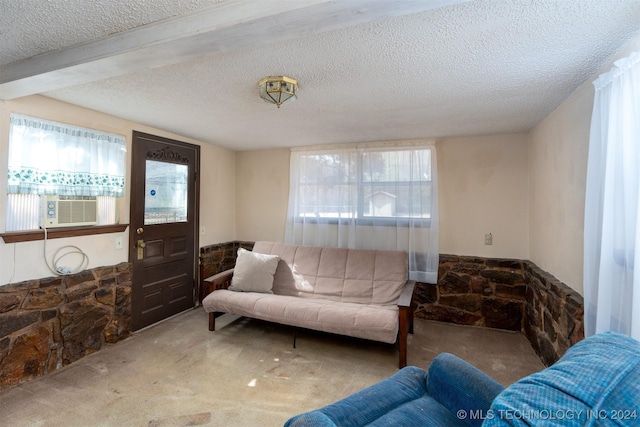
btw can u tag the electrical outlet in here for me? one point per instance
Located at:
(119, 243)
(488, 239)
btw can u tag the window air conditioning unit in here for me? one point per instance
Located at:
(69, 211)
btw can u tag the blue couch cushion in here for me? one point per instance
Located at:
(412, 397)
(423, 412)
(462, 388)
(596, 382)
(400, 400)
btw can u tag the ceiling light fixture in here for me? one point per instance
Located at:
(278, 89)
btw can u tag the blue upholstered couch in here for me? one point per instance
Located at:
(597, 382)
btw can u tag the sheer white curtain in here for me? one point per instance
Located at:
(52, 158)
(368, 197)
(612, 210)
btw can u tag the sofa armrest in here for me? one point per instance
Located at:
(221, 280)
(460, 386)
(209, 285)
(406, 294)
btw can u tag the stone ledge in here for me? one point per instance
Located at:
(48, 323)
(505, 294)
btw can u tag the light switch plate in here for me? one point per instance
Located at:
(488, 239)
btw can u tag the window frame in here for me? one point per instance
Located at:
(360, 184)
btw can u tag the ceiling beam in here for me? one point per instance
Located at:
(226, 26)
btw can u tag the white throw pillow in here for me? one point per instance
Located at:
(254, 272)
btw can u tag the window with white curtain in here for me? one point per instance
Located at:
(52, 158)
(612, 204)
(370, 197)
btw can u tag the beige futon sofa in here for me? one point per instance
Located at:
(355, 292)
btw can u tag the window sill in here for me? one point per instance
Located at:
(58, 233)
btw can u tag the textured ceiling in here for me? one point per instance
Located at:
(31, 27)
(476, 68)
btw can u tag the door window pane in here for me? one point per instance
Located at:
(165, 199)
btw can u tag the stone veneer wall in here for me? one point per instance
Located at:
(220, 257)
(48, 323)
(508, 294)
(554, 314)
(474, 291)
(505, 294)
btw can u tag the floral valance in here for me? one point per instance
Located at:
(47, 157)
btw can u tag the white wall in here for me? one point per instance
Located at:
(262, 178)
(217, 194)
(483, 188)
(558, 151)
(24, 261)
(482, 185)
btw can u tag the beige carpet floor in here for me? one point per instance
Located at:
(247, 373)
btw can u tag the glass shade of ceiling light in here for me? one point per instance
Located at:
(278, 89)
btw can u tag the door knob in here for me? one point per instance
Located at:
(141, 245)
(140, 230)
